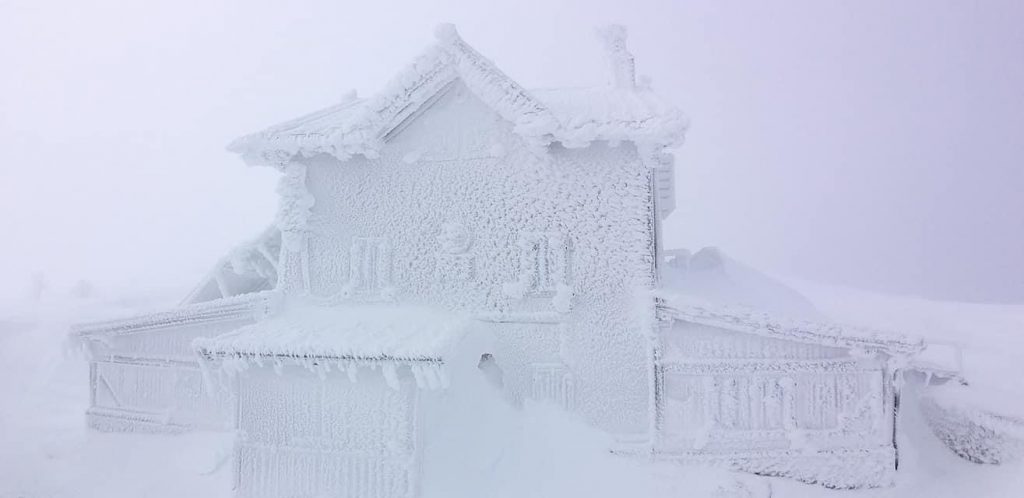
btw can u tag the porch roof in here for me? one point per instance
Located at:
(369, 332)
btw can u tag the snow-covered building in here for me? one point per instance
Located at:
(144, 373)
(813, 401)
(456, 205)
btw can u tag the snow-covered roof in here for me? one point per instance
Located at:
(370, 332)
(758, 322)
(231, 308)
(612, 113)
(571, 116)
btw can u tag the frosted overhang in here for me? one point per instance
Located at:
(750, 321)
(362, 332)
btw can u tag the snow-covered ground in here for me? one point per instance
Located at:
(46, 450)
(990, 336)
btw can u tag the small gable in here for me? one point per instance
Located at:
(454, 125)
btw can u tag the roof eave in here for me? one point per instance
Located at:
(235, 307)
(222, 354)
(893, 345)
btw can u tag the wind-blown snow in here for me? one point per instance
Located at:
(991, 337)
(713, 277)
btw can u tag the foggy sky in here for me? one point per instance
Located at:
(874, 144)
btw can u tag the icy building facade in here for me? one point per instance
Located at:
(456, 205)
(812, 401)
(144, 373)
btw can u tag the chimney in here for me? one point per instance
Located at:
(619, 57)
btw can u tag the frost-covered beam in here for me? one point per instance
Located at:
(272, 259)
(224, 309)
(222, 284)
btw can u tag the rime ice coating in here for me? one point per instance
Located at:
(574, 117)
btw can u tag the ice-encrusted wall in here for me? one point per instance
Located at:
(776, 406)
(150, 379)
(548, 247)
(133, 396)
(305, 436)
(144, 374)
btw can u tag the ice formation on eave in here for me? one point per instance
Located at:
(230, 308)
(250, 267)
(370, 332)
(758, 322)
(574, 117)
(613, 114)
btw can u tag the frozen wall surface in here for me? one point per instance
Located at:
(144, 375)
(547, 247)
(301, 435)
(817, 402)
(776, 406)
(338, 409)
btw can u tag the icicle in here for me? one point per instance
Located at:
(353, 372)
(390, 375)
(442, 375)
(278, 366)
(417, 373)
(431, 377)
(204, 371)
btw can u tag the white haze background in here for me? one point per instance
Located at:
(873, 144)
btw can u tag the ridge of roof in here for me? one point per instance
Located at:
(361, 126)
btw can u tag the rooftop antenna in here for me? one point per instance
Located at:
(621, 60)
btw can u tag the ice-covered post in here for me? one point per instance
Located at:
(621, 60)
(292, 215)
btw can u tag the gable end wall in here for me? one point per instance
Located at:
(549, 246)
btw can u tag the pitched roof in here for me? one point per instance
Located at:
(571, 116)
(232, 308)
(758, 322)
(611, 113)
